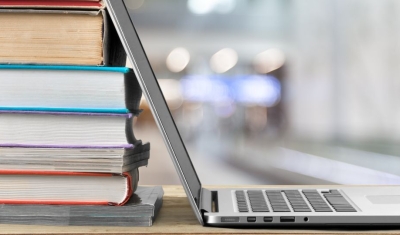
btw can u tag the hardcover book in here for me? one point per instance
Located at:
(74, 88)
(66, 188)
(35, 35)
(90, 159)
(20, 128)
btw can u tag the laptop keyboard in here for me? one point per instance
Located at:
(306, 200)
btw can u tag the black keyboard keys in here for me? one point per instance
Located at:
(316, 200)
(338, 202)
(241, 201)
(297, 201)
(277, 201)
(257, 201)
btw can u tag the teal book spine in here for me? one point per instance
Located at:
(66, 110)
(65, 67)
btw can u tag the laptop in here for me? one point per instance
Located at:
(336, 205)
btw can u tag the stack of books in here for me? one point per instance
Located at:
(67, 108)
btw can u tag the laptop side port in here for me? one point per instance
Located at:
(251, 219)
(286, 219)
(268, 219)
(230, 219)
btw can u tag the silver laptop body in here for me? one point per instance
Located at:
(312, 206)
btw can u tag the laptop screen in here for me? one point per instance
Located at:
(154, 97)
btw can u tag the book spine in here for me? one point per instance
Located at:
(130, 137)
(133, 93)
(113, 50)
(132, 178)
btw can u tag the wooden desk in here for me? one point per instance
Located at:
(176, 217)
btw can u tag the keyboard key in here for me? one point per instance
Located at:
(317, 202)
(337, 201)
(302, 210)
(260, 210)
(300, 206)
(346, 210)
(282, 210)
(334, 191)
(321, 207)
(273, 191)
(323, 210)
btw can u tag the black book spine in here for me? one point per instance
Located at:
(133, 93)
(115, 54)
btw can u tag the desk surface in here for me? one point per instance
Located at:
(175, 217)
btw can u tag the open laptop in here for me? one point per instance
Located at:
(351, 205)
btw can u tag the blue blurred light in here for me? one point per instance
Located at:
(262, 90)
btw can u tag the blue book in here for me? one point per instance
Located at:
(94, 89)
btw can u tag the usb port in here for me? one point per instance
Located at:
(251, 219)
(268, 219)
(287, 218)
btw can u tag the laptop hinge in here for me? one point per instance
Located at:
(205, 200)
(209, 201)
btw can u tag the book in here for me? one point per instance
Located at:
(98, 160)
(141, 210)
(58, 37)
(20, 128)
(63, 88)
(66, 188)
(65, 4)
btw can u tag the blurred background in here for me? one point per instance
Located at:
(275, 91)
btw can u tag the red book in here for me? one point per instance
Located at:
(71, 4)
(66, 188)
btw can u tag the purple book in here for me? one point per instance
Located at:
(116, 159)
